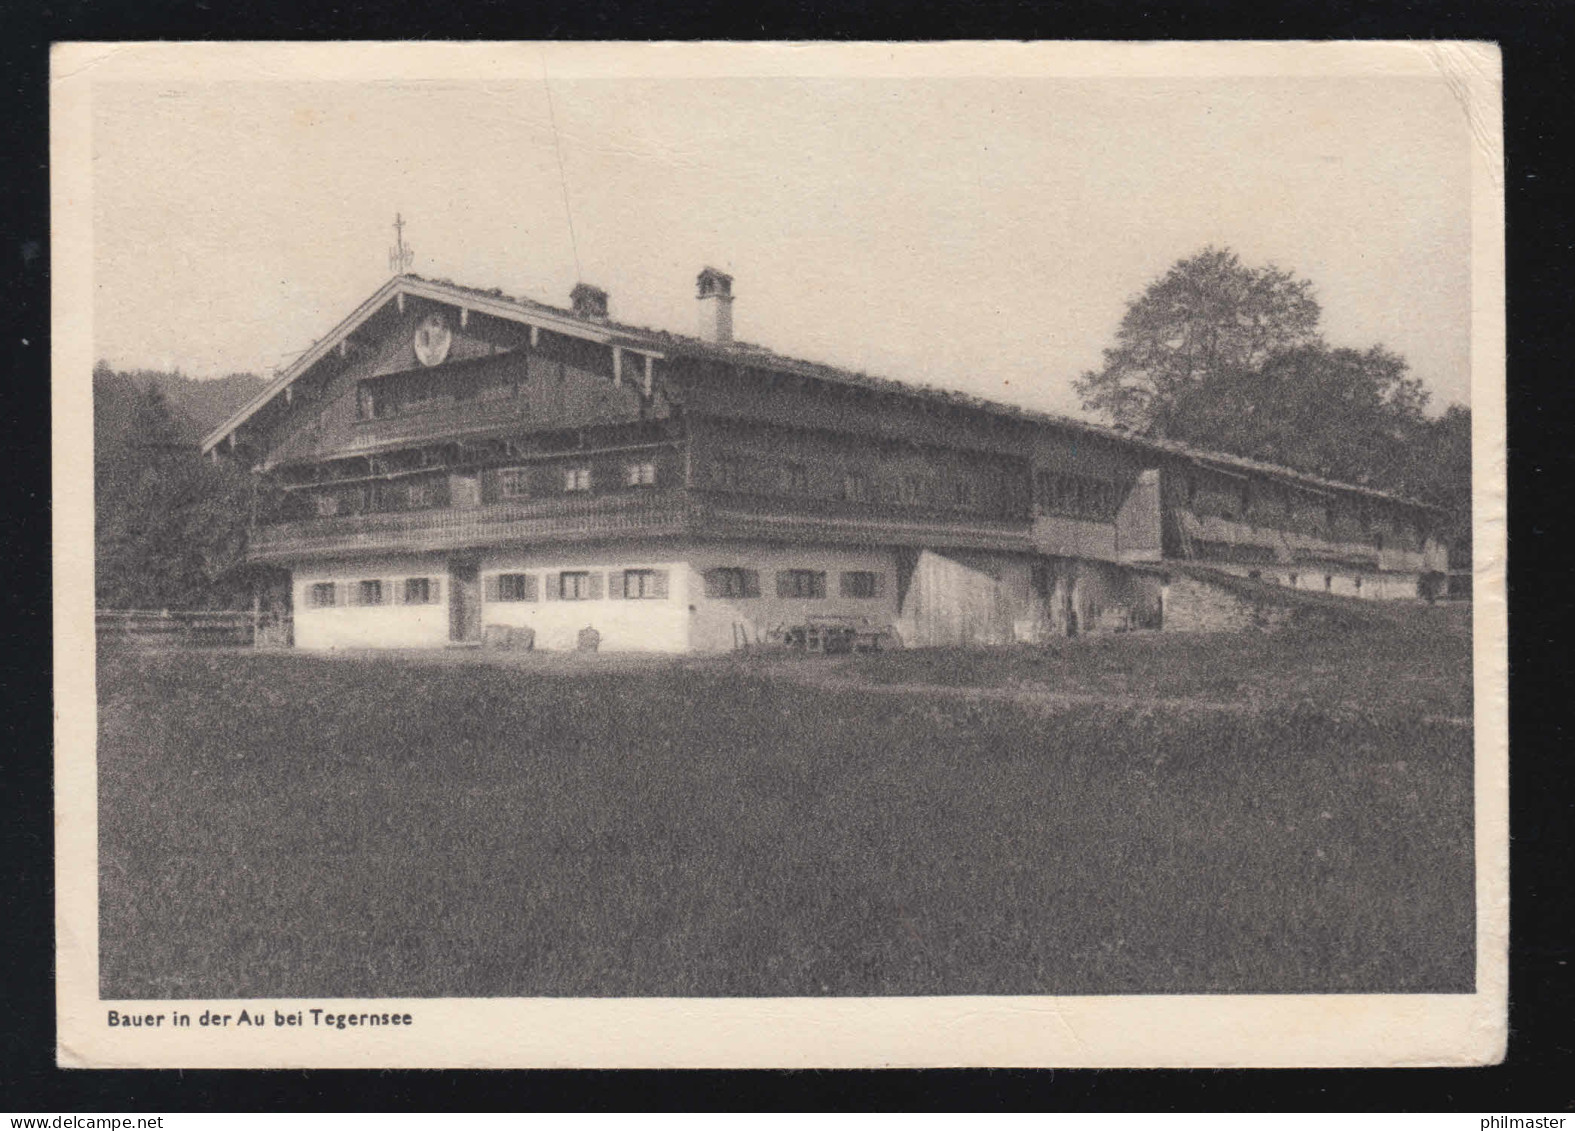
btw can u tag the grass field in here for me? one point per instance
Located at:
(1286, 812)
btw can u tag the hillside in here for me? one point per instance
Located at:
(198, 405)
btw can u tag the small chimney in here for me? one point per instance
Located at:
(588, 302)
(716, 306)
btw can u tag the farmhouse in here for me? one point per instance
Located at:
(449, 461)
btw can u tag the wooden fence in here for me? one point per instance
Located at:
(168, 628)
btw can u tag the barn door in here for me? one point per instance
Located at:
(464, 600)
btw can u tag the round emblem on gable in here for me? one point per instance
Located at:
(433, 337)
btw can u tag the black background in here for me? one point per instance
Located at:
(1539, 1074)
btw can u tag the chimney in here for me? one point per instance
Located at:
(716, 306)
(588, 302)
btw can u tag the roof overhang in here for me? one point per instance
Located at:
(396, 290)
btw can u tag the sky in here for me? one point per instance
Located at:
(976, 233)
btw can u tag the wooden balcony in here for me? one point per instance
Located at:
(635, 513)
(1214, 536)
(559, 519)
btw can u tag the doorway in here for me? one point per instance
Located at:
(464, 601)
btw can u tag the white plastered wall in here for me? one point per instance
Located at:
(642, 625)
(719, 624)
(389, 625)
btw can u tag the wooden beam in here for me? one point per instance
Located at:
(400, 299)
(617, 365)
(535, 335)
(649, 385)
(464, 317)
(289, 394)
(344, 346)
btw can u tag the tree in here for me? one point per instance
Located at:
(169, 526)
(1209, 320)
(1229, 357)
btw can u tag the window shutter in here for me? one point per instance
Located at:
(553, 586)
(342, 593)
(659, 584)
(616, 583)
(713, 583)
(396, 591)
(434, 590)
(751, 583)
(784, 583)
(530, 587)
(879, 588)
(491, 586)
(596, 586)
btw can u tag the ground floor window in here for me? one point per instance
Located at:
(643, 584)
(369, 593)
(321, 595)
(577, 585)
(418, 591)
(861, 583)
(730, 583)
(512, 587)
(800, 583)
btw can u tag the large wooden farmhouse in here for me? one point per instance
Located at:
(449, 459)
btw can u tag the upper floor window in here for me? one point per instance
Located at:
(422, 493)
(909, 490)
(640, 474)
(800, 583)
(424, 396)
(729, 472)
(371, 401)
(369, 593)
(855, 487)
(576, 479)
(321, 595)
(514, 482)
(327, 505)
(795, 478)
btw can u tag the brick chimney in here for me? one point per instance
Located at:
(588, 302)
(716, 306)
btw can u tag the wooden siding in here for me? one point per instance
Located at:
(562, 383)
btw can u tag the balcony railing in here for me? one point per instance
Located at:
(1208, 534)
(449, 528)
(636, 512)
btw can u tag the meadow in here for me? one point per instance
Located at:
(1258, 812)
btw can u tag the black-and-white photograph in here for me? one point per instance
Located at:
(582, 525)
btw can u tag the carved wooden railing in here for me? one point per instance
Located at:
(460, 527)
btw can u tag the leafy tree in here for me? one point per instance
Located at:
(1209, 320)
(1229, 357)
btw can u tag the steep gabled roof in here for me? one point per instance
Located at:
(663, 343)
(486, 302)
